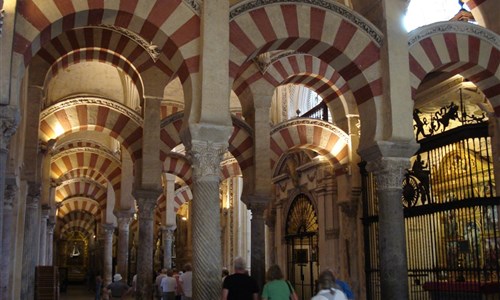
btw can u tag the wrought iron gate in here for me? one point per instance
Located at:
(302, 246)
(451, 214)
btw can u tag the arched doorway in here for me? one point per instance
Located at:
(302, 246)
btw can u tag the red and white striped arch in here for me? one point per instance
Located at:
(485, 12)
(95, 44)
(459, 48)
(178, 165)
(79, 143)
(80, 203)
(85, 174)
(230, 168)
(182, 195)
(168, 109)
(76, 220)
(318, 136)
(298, 69)
(86, 229)
(94, 114)
(240, 142)
(172, 26)
(170, 136)
(94, 55)
(308, 28)
(82, 188)
(77, 158)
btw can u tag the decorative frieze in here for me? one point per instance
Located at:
(87, 100)
(331, 6)
(453, 27)
(314, 122)
(152, 49)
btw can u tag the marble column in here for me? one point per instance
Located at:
(388, 162)
(43, 236)
(167, 234)
(8, 238)
(107, 231)
(124, 218)
(207, 261)
(31, 239)
(51, 224)
(257, 240)
(146, 201)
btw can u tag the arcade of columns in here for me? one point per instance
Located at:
(26, 188)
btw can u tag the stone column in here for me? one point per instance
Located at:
(43, 236)
(257, 240)
(207, 262)
(8, 238)
(107, 232)
(146, 201)
(51, 224)
(271, 248)
(167, 234)
(31, 239)
(124, 218)
(388, 162)
(9, 119)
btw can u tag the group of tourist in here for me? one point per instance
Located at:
(173, 285)
(168, 285)
(240, 286)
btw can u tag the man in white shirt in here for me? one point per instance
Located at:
(186, 281)
(168, 286)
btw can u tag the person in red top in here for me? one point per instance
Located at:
(240, 286)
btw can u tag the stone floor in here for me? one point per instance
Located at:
(80, 292)
(77, 292)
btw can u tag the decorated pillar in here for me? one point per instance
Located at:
(167, 234)
(146, 201)
(107, 232)
(7, 236)
(124, 218)
(207, 260)
(31, 239)
(258, 242)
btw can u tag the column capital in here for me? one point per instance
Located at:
(10, 193)
(146, 201)
(50, 227)
(389, 161)
(45, 212)
(108, 229)
(33, 197)
(9, 120)
(206, 157)
(168, 232)
(124, 218)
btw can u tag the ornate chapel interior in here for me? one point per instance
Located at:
(141, 135)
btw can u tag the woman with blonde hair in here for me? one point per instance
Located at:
(328, 289)
(276, 287)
